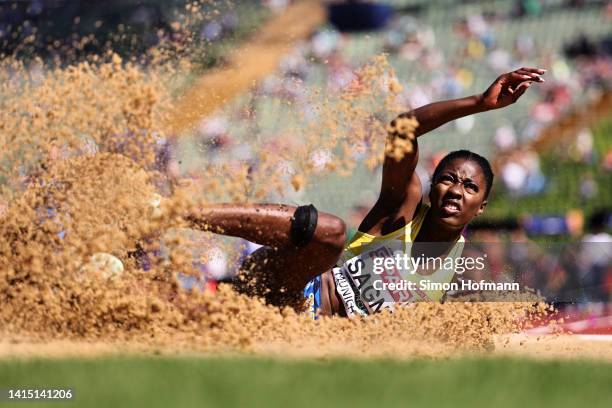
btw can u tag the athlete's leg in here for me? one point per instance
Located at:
(299, 244)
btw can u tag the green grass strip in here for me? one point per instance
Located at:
(246, 382)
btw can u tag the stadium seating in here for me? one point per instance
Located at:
(554, 26)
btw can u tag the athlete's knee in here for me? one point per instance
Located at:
(308, 225)
(331, 232)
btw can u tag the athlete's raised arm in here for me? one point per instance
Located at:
(400, 192)
(505, 90)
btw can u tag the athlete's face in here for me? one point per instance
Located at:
(458, 193)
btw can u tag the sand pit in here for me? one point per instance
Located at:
(548, 347)
(78, 179)
(555, 347)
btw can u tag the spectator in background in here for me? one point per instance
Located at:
(276, 6)
(596, 256)
(500, 60)
(325, 43)
(524, 47)
(521, 174)
(583, 147)
(588, 187)
(214, 137)
(505, 137)
(606, 163)
(340, 74)
(528, 8)
(514, 175)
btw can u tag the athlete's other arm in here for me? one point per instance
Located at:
(401, 188)
(504, 91)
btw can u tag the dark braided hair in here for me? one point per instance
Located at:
(471, 156)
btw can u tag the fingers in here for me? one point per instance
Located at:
(533, 73)
(538, 71)
(515, 78)
(520, 90)
(530, 74)
(511, 86)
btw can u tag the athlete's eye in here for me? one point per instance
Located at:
(446, 178)
(472, 187)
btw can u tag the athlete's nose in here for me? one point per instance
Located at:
(456, 190)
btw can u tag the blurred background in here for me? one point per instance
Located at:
(552, 152)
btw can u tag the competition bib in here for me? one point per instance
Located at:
(366, 285)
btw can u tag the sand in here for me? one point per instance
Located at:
(547, 347)
(80, 177)
(555, 347)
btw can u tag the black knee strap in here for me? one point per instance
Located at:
(303, 225)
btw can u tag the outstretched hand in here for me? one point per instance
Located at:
(508, 88)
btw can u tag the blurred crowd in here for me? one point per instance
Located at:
(579, 72)
(562, 272)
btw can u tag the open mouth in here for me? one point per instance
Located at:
(451, 207)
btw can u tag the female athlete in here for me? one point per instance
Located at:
(301, 247)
